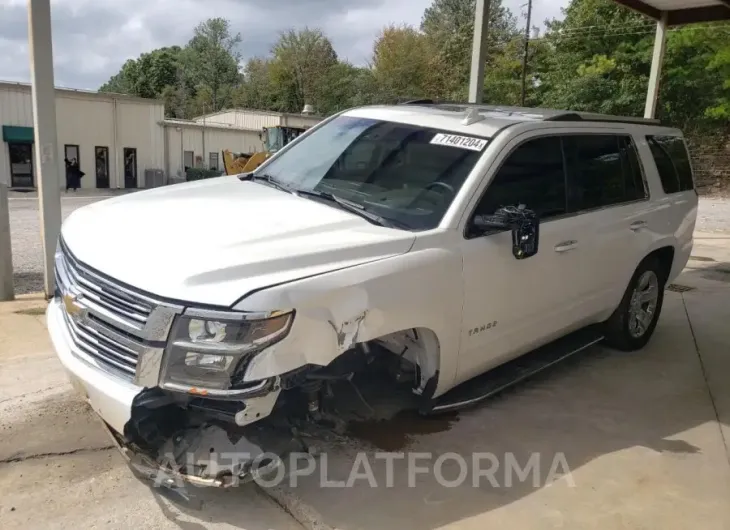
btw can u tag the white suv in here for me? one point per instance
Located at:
(398, 250)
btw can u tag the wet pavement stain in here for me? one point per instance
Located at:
(398, 432)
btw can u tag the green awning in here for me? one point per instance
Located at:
(17, 135)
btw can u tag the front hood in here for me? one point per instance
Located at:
(216, 240)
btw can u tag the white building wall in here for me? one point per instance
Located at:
(86, 123)
(139, 128)
(88, 120)
(182, 138)
(243, 119)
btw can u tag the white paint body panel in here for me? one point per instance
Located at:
(244, 245)
(110, 397)
(211, 242)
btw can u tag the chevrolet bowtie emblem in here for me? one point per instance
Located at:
(73, 308)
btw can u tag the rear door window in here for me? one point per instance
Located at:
(672, 161)
(603, 170)
(633, 171)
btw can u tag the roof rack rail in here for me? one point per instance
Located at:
(587, 116)
(419, 102)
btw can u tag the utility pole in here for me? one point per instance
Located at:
(6, 255)
(527, 51)
(479, 51)
(205, 109)
(44, 128)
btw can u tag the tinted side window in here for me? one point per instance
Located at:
(672, 162)
(533, 175)
(599, 171)
(633, 173)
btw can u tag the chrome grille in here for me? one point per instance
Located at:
(114, 304)
(112, 326)
(101, 348)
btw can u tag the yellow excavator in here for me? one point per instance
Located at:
(274, 138)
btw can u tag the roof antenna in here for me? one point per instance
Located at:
(472, 116)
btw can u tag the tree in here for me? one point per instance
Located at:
(257, 90)
(449, 28)
(600, 56)
(299, 68)
(210, 61)
(402, 64)
(148, 75)
(595, 59)
(346, 86)
(198, 78)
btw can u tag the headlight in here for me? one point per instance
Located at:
(210, 350)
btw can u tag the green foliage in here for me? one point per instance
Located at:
(600, 56)
(147, 76)
(448, 26)
(597, 58)
(402, 64)
(199, 173)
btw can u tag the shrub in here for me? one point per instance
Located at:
(198, 173)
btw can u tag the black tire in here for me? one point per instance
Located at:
(617, 329)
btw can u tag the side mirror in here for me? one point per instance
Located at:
(523, 223)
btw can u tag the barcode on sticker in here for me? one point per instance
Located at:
(462, 142)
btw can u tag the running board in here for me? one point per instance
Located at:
(502, 377)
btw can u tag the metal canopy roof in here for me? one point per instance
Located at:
(681, 11)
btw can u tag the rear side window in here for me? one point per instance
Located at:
(633, 172)
(603, 170)
(533, 175)
(672, 161)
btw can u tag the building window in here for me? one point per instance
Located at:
(21, 165)
(130, 167)
(213, 163)
(101, 154)
(188, 157)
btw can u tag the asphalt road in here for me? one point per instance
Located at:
(714, 216)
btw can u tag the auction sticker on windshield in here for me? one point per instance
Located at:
(462, 142)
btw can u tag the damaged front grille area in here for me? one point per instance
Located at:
(111, 326)
(128, 310)
(102, 348)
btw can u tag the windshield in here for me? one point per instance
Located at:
(405, 174)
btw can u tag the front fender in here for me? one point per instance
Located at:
(335, 311)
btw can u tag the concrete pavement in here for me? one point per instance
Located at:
(58, 468)
(644, 437)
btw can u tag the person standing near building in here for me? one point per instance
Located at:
(73, 174)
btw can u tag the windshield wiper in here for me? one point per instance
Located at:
(349, 206)
(268, 179)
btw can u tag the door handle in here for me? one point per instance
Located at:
(637, 225)
(566, 246)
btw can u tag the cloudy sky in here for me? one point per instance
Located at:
(93, 38)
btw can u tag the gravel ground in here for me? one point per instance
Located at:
(714, 216)
(26, 239)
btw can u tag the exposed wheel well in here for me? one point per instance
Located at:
(419, 346)
(665, 258)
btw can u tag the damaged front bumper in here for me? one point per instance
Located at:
(172, 474)
(204, 454)
(110, 397)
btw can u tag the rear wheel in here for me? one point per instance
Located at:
(632, 324)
